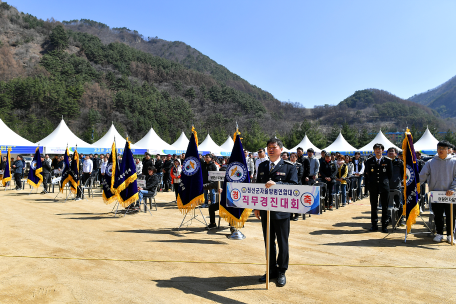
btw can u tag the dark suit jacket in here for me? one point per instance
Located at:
(290, 178)
(379, 175)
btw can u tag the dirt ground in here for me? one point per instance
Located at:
(78, 252)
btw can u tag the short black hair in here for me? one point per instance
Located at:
(260, 150)
(299, 148)
(379, 146)
(152, 168)
(444, 144)
(393, 149)
(274, 140)
(357, 153)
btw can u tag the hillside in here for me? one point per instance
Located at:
(93, 75)
(442, 98)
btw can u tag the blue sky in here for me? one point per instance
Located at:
(311, 52)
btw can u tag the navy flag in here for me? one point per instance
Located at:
(236, 172)
(411, 182)
(191, 187)
(74, 172)
(66, 171)
(109, 195)
(35, 177)
(128, 190)
(7, 171)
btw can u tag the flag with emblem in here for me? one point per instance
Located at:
(73, 173)
(128, 190)
(236, 172)
(109, 195)
(7, 171)
(191, 187)
(35, 177)
(411, 182)
(66, 178)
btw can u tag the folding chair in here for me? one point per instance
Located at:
(393, 211)
(88, 186)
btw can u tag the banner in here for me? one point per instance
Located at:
(35, 178)
(109, 195)
(236, 172)
(440, 197)
(7, 171)
(66, 178)
(280, 198)
(411, 182)
(128, 190)
(191, 187)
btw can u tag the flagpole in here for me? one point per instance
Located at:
(452, 225)
(267, 248)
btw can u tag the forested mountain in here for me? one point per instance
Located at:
(442, 98)
(93, 75)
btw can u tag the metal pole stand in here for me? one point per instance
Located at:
(237, 235)
(194, 216)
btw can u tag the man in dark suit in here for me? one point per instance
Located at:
(18, 167)
(378, 172)
(276, 171)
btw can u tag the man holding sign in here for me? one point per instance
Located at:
(272, 172)
(440, 173)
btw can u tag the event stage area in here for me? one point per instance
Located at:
(77, 252)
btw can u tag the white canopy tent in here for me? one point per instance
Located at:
(341, 145)
(379, 139)
(106, 142)
(18, 144)
(306, 144)
(208, 145)
(427, 143)
(153, 143)
(181, 144)
(228, 144)
(60, 138)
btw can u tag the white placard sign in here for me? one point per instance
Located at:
(280, 198)
(217, 176)
(141, 183)
(442, 198)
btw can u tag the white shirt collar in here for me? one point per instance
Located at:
(276, 162)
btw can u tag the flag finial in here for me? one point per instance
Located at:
(196, 135)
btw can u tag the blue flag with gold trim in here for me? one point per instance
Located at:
(128, 190)
(7, 171)
(236, 172)
(191, 187)
(66, 171)
(411, 181)
(109, 194)
(74, 172)
(35, 177)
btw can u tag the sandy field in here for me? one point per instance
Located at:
(78, 252)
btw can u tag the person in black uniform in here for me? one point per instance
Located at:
(46, 173)
(396, 180)
(167, 166)
(327, 174)
(300, 169)
(305, 162)
(378, 172)
(276, 171)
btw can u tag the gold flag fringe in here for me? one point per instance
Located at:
(110, 200)
(40, 177)
(234, 221)
(129, 201)
(6, 180)
(70, 180)
(126, 183)
(412, 217)
(199, 200)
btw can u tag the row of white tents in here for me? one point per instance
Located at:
(62, 137)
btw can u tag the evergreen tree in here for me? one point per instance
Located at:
(59, 38)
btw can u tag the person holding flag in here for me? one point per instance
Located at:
(109, 193)
(440, 173)
(7, 171)
(276, 171)
(35, 177)
(191, 187)
(67, 175)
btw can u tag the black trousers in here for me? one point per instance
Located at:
(329, 191)
(46, 179)
(166, 181)
(176, 189)
(85, 177)
(280, 230)
(438, 210)
(373, 196)
(17, 179)
(212, 209)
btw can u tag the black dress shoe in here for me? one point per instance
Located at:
(384, 230)
(281, 280)
(295, 218)
(373, 229)
(262, 279)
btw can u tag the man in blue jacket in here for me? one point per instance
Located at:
(18, 170)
